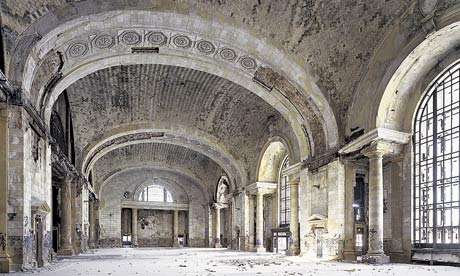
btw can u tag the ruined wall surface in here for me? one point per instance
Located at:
(326, 212)
(155, 228)
(112, 196)
(29, 185)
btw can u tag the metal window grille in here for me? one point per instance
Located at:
(436, 215)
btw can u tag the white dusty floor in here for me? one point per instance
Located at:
(155, 261)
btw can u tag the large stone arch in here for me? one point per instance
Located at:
(141, 133)
(405, 64)
(163, 172)
(296, 95)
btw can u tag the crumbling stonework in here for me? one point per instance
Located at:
(254, 117)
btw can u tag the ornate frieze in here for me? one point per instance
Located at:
(122, 40)
(77, 49)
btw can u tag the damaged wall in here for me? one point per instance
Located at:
(29, 185)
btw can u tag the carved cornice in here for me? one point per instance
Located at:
(316, 162)
(154, 205)
(261, 188)
(377, 134)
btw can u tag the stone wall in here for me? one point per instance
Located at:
(322, 202)
(29, 185)
(112, 196)
(155, 228)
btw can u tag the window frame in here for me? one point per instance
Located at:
(145, 194)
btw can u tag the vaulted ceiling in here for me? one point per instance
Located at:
(159, 156)
(169, 98)
(298, 63)
(333, 39)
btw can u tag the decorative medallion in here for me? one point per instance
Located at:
(77, 49)
(248, 63)
(130, 38)
(228, 54)
(205, 47)
(182, 41)
(103, 41)
(157, 38)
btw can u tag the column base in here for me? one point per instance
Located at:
(65, 252)
(349, 255)
(92, 245)
(217, 245)
(5, 264)
(261, 249)
(376, 258)
(293, 251)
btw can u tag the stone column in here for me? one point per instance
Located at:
(250, 246)
(5, 261)
(349, 251)
(176, 228)
(66, 248)
(260, 223)
(375, 153)
(73, 205)
(92, 224)
(134, 227)
(217, 227)
(294, 247)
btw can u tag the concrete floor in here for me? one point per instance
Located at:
(156, 261)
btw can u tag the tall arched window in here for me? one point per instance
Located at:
(155, 193)
(284, 195)
(437, 165)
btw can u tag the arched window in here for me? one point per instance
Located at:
(437, 165)
(155, 193)
(284, 195)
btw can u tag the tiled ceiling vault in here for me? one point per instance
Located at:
(158, 155)
(335, 39)
(169, 97)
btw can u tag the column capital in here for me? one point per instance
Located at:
(295, 181)
(262, 188)
(219, 206)
(378, 149)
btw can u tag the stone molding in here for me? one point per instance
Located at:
(154, 205)
(122, 40)
(293, 171)
(261, 188)
(377, 134)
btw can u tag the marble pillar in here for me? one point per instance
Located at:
(5, 260)
(176, 228)
(349, 251)
(375, 153)
(260, 223)
(294, 246)
(92, 224)
(217, 227)
(134, 227)
(66, 247)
